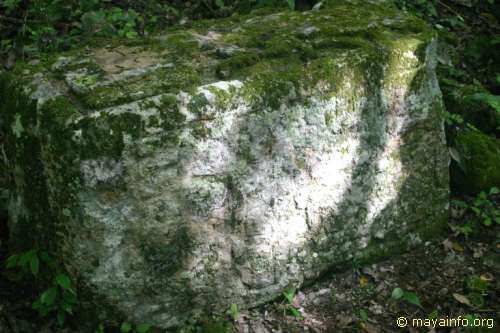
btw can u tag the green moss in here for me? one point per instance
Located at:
(480, 155)
(170, 115)
(462, 100)
(197, 104)
(31, 209)
(87, 80)
(237, 63)
(272, 81)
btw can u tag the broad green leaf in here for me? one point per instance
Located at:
(433, 315)
(45, 257)
(289, 294)
(49, 296)
(131, 34)
(126, 327)
(397, 293)
(37, 304)
(64, 281)
(26, 258)
(494, 190)
(70, 297)
(12, 261)
(295, 312)
(67, 307)
(492, 100)
(219, 3)
(100, 329)
(61, 317)
(142, 328)
(291, 4)
(476, 299)
(17, 126)
(234, 311)
(34, 265)
(412, 298)
(10, 5)
(459, 203)
(363, 315)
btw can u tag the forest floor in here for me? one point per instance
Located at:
(448, 278)
(452, 277)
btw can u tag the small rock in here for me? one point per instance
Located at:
(317, 6)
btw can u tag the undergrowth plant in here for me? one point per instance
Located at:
(58, 295)
(483, 210)
(289, 295)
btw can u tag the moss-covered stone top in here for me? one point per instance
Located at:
(262, 47)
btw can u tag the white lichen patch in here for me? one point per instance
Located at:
(105, 171)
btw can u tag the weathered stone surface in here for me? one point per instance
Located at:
(221, 162)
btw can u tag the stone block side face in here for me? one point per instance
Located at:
(175, 203)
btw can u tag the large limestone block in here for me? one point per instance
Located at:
(220, 162)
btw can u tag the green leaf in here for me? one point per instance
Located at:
(100, 329)
(459, 203)
(131, 34)
(412, 298)
(67, 307)
(476, 299)
(142, 328)
(433, 315)
(494, 190)
(363, 315)
(12, 261)
(37, 304)
(49, 296)
(234, 312)
(295, 313)
(492, 100)
(70, 297)
(45, 257)
(289, 294)
(34, 265)
(10, 5)
(26, 258)
(61, 317)
(291, 4)
(64, 281)
(126, 327)
(487, 221)
(397, 293)
(219, 3)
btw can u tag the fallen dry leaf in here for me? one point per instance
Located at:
(457, 247)
(363, 281)
(487, 277)
(369, 328)
(461, 298)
